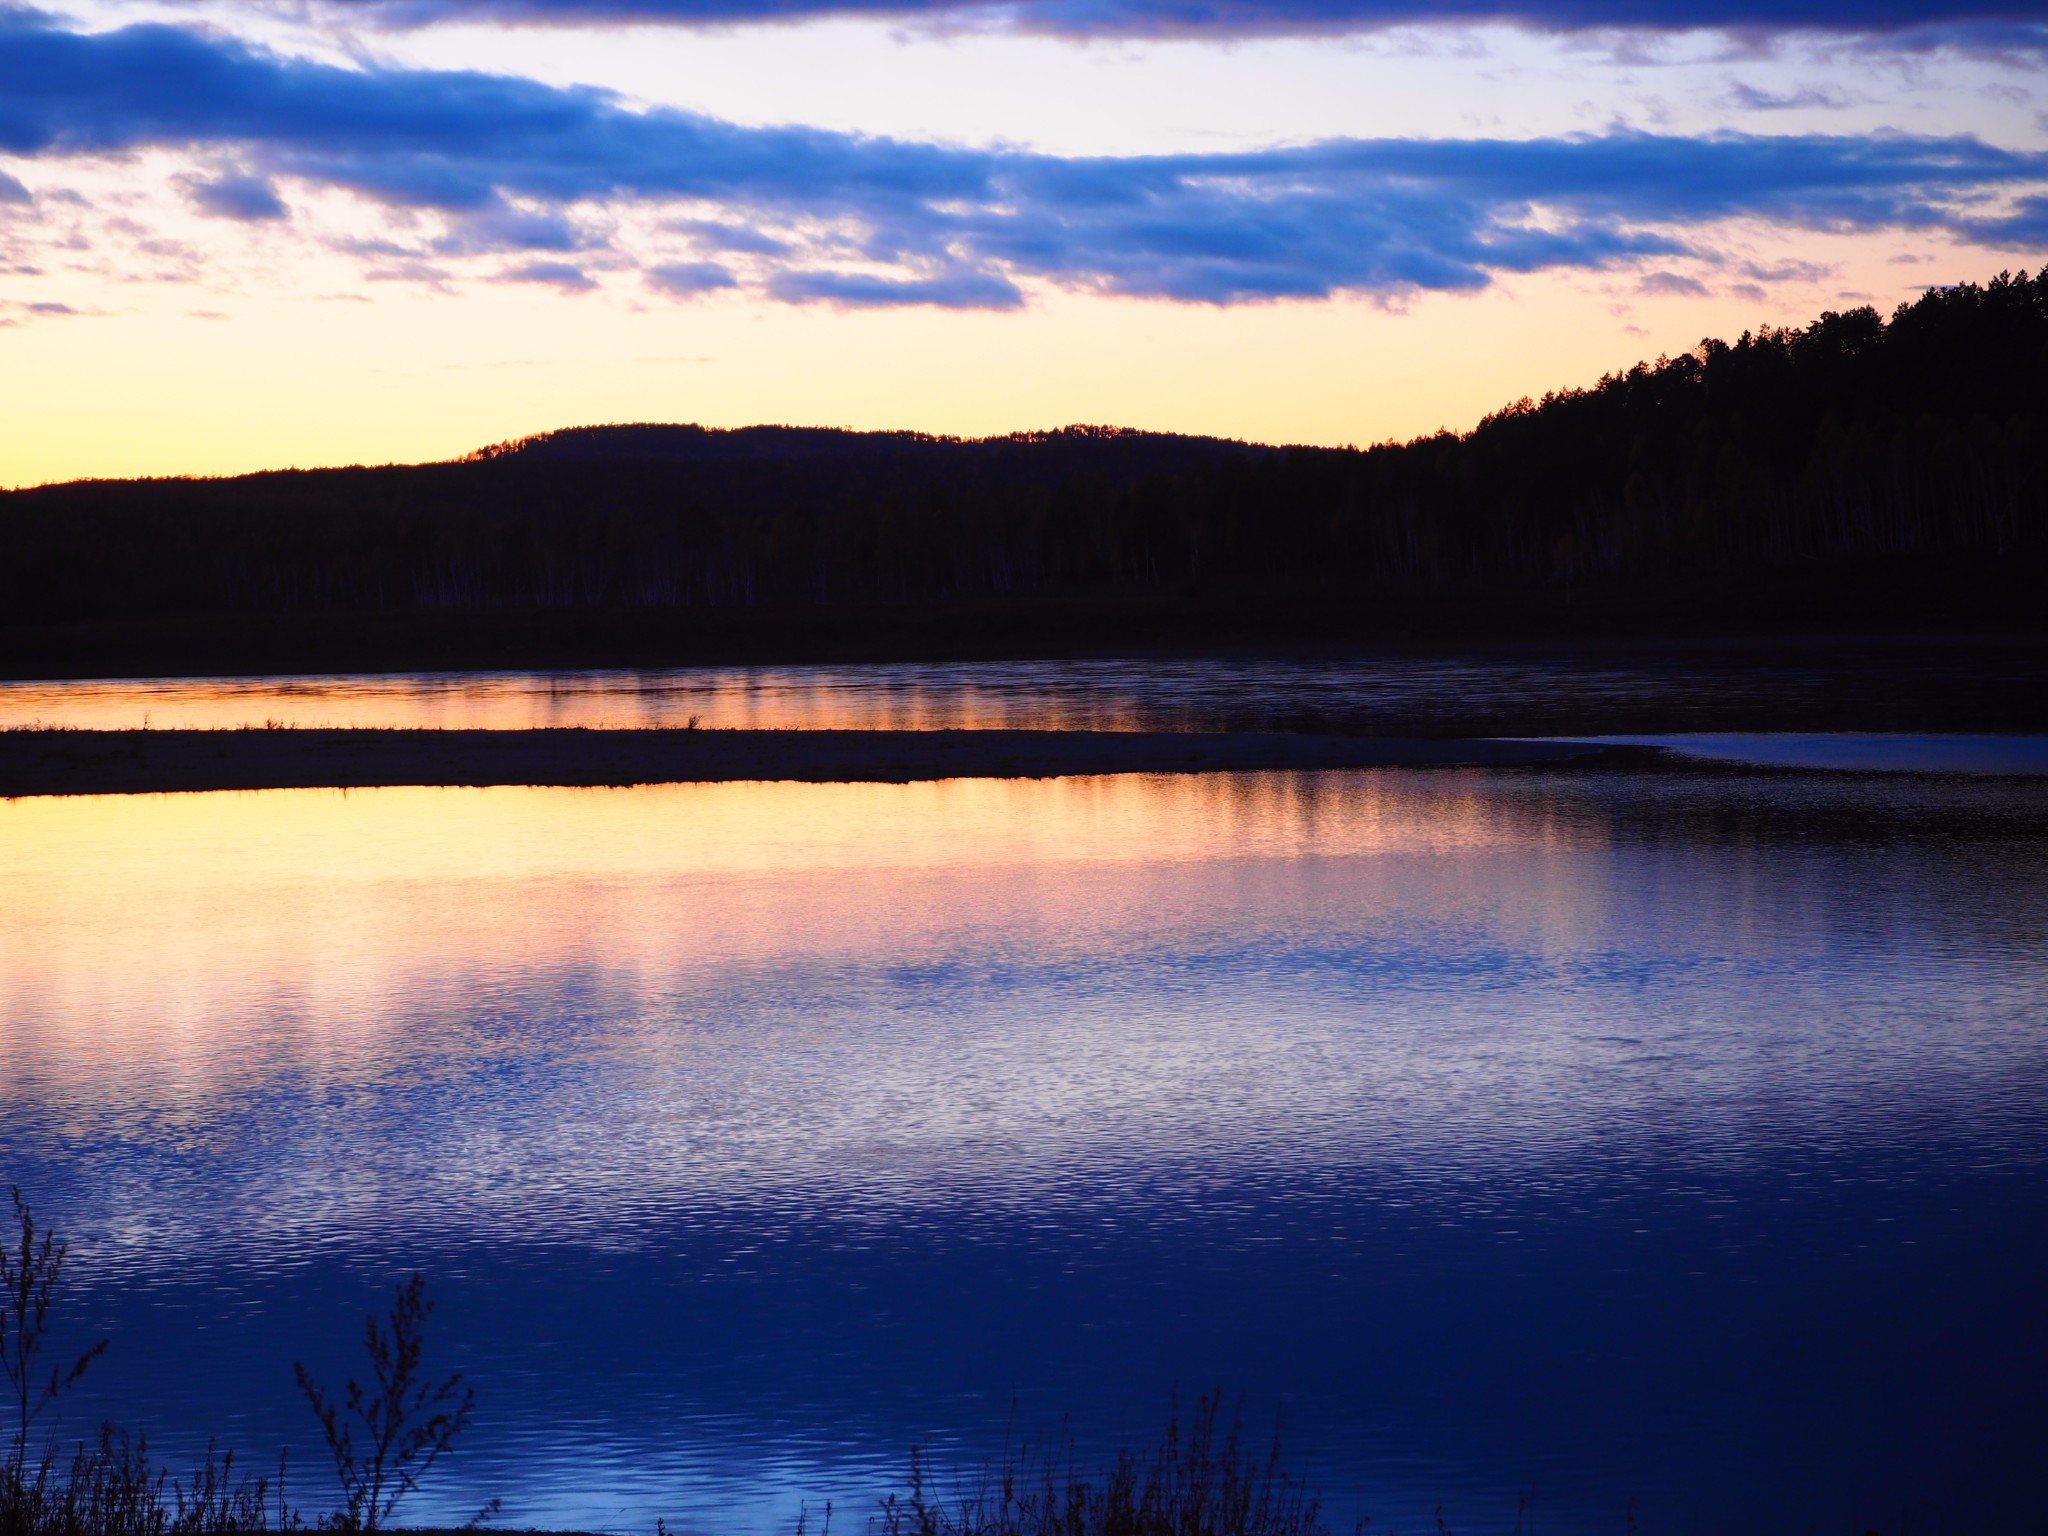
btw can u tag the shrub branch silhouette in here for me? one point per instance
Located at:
(28, 1277)
(406, 1422)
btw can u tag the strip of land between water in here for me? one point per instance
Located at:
(69, 762)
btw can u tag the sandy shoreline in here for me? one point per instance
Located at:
(141, 762)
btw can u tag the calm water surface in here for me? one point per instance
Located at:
(1057, 695)
(1526, 692)
(1672, 1141)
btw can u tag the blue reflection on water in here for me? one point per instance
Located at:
(1859, 751)
(1659, 1141)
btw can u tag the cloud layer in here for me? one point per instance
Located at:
(809, 216)
(1143, 18)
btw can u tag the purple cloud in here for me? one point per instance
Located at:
(246, 199)
(1756, 99)
(737, 238)
(559, 275)
(860, 290)
(682, 280)
(1672, 285)
(499, 228)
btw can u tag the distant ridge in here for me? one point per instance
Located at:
(1859, 473)
(688, 443)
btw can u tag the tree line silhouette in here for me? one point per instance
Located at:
(1857, 467)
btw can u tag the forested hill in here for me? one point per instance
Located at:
(1029, 455)
(1856, 470)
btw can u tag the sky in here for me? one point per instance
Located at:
(268, 233)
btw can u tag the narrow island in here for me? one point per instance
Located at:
(62, 762)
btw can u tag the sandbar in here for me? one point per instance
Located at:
(68, 762)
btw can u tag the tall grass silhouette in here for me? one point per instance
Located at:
(111, 1487)
(114, 1487)
(1200, 1481)
(383, 1437)
(29, 1273)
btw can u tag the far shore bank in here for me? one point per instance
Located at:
(66, 762)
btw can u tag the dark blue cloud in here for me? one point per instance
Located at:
(682, 280)
(1141, 18)
(710, 235)
(12, 191)
(247, 199)
(861, 290)
(498, 228)
(2023, 43)
(2024, 228)
(515, 165)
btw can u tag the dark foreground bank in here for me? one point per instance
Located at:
(133, 762)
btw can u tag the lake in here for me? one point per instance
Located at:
(1928, 685)
(1670, 1143)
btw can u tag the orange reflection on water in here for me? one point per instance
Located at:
(163, 929)
(189, 842)
(988, 696)
(738, 986)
